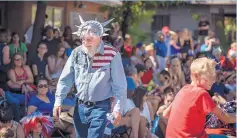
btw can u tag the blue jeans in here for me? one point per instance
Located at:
(90, 121)
(14, 98)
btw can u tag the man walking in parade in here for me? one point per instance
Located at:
(98, 74)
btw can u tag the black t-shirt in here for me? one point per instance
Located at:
(3, 81)
(41, 65)
(52, 46)
(203, 24)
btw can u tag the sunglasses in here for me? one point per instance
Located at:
(43, 86)
(17, 59)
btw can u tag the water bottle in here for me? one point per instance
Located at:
(109, 125)
(110, 117)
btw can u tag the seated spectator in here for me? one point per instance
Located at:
(43, 102)
(169, 95)
(57, 63)
(131, 114)
(217, 57)
(6, 121)
(37, 125)
(136, 57)
(229, 63)
(40, 63)
(56, 33)
(207, 46)
(67, 34)
(186, 68)
(16, 46)
(220, 88)
(13, 99)
(164, 81)
(148, 74)
(146, 112)
(140, 72)
(4, 56)
(177, 75)
(20, 75)
(151, 54)
(50, 41)
(211, 37)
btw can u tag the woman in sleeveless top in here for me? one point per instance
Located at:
(16, 46)
(20, 75)
(186, 43)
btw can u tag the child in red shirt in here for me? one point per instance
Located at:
(187, 114)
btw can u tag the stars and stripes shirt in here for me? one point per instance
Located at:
(96, 79)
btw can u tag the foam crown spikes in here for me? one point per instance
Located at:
(97, 27)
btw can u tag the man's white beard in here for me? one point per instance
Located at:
(90, 52)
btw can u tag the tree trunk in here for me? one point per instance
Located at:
(220, 29)
(126, 17)
(37, 29)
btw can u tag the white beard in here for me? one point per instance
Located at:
(90, 52)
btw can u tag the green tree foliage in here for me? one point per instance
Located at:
(132, 13)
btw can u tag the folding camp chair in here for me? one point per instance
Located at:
(120, 132)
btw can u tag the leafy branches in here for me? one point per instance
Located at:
(132, 13)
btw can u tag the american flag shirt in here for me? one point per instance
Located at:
(96, 79)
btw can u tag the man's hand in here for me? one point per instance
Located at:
(56, 112)
(117, 118)
(2, 93)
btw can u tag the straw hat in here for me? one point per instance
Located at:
(149, 47)
(67, 116)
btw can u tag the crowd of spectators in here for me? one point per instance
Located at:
(155, 73)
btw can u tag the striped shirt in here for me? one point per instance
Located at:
(96, 79)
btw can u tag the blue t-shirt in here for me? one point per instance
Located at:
(68, 52)
(161, 48)
(203, 48)
(220, 88)
(43, 107)
(174, 51)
